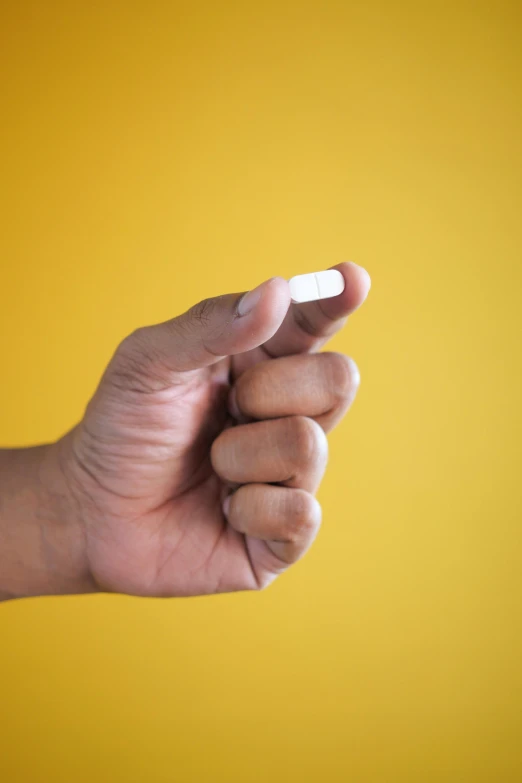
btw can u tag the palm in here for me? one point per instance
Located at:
(148, 458)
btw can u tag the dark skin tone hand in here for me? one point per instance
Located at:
(195, 466)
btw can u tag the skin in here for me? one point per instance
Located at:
(195, 466)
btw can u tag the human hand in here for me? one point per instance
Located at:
(194, 468)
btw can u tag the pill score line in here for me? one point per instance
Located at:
(316, 285)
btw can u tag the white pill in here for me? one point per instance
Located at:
(317, 285)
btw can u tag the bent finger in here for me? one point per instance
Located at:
(321, 386)
(286, 519)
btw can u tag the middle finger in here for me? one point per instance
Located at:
(319, 385)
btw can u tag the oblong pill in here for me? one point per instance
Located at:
(316, 285)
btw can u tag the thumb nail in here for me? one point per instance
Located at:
(249, 300)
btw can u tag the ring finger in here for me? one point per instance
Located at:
(292, 451)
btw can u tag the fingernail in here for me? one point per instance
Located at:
(250, 299)
(233, 407)
(226, 505)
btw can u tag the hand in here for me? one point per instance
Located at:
(195, 466)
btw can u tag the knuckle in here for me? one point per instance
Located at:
(215, 454)
(203, 322)
(343, 375)
(220, 452)
(303, 517)
(263, 581)
(136, 367)
(252, 388)
(132, 343)
(202, 311)
(308, 440)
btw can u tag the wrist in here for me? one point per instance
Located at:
(42, 541)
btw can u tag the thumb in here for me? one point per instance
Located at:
(212, 329)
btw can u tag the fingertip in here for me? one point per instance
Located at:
(248, 320)
(226, 506)
(357, 285)
(277, 292)
(233, 407)
(362, 278)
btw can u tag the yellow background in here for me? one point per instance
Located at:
(155, 153)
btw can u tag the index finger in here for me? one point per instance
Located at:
(306, 327)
